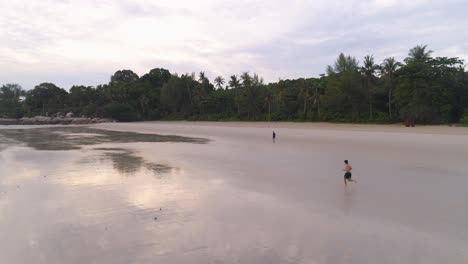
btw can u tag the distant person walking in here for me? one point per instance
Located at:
(274, 136)
(347, 176)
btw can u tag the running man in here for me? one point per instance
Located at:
(347, 176)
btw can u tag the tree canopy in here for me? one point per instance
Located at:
(422, 89)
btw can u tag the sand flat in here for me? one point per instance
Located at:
(240, 198)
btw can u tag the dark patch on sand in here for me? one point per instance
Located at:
(126, 162)
(69, 138)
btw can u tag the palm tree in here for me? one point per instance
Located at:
(281, 92)
(201, 77)
(307, 96)
(234, 82)
(319, 87)
(248, 85)
(219, 81)
(369, 70)
(388, 69)
(268, 101)
(246, 88)
(246, 79)
(419, 54)
(257, 80)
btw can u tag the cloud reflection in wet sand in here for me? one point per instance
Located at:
(69, 206)
(104, 203)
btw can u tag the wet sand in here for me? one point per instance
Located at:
(225, 193)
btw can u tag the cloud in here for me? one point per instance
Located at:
(83, 42)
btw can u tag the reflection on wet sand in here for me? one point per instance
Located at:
(68, 138)
(81, 206)
(102, 198)
(126, 161)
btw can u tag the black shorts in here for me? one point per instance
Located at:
(347, 175)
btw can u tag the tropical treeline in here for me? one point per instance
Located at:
(422, 89)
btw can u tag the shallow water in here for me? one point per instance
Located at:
(81, 195)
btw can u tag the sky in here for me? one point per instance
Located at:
(83, 42)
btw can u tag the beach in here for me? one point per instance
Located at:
(208, 192)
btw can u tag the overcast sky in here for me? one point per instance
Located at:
(83, 42)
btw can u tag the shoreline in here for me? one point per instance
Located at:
(389, 128)
(320, 126)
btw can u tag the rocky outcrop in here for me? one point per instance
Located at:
(45, 120)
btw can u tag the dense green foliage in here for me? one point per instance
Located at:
(422, 89)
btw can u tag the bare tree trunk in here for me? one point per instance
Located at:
(237, 101)
(318, 108)
(318, 101)
(390, 102)
(269, 111)
(370, 100)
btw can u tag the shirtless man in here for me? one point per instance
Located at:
(347, 176)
